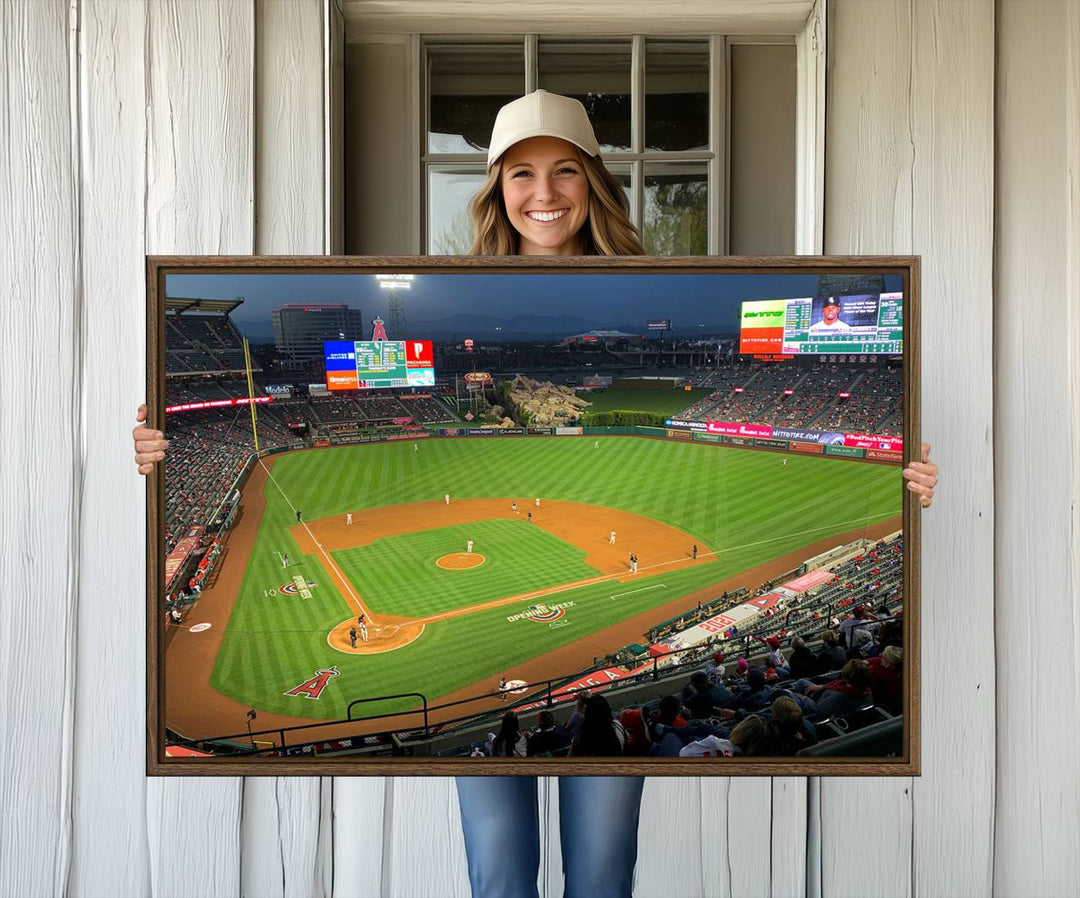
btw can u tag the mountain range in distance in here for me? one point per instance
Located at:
(514, 329)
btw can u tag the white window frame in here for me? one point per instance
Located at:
(810, 124)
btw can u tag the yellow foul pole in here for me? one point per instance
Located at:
(251, 394)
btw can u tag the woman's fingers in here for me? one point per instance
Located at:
(150, 444)
(922, 477)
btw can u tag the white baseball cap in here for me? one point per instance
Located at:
(541, 114)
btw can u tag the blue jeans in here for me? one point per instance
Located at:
(598, 822)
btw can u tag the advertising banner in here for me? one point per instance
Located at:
(540, 431)
(568, 431)
(740, 430)
(679, 435)
(883, 455)
(849, 451)
(686, 425)
(810, 436)
(718, 624)
(771, 444)
(216, 403)
(812, 448)
(809, 580)
(707, 437)
(869, 441)
(761, 326)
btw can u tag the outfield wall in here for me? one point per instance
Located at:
(804, 445)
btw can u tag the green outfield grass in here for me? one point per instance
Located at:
(518, 557)
(740, 502)
(630, 399)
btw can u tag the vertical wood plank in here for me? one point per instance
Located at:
(868, 196)
(790, 798)
(200, 187)
(952, 108)
(40, 434)
(910, 169)
(1037, 370)
(868, 182)
(360, 855)
(110, 785)
(199, 195)
(289, 128)
(282, 816)
(423, 848)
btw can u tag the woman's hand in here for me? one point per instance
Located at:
(922, 477)
(150, 445)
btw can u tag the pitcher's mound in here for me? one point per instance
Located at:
(459, 561)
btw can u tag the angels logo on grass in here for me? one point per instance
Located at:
(543, 614)
(313, 688)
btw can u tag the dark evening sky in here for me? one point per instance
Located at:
(603, 300)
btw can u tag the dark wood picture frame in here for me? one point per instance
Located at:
(905, 764)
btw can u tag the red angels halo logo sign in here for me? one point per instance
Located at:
(313, 688)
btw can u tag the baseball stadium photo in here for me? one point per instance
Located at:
(477, 514)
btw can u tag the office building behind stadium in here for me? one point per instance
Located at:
(301, 328)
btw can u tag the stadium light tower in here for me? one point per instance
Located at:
(395, 305)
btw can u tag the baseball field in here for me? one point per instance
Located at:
(443, 621)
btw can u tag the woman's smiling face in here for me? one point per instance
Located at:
(546, 195)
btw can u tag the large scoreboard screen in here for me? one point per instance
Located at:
(863, 324)
(378, 364)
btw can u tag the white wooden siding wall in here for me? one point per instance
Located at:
(1037, 450)
(909, 153)
(187, 127)
(39, 536)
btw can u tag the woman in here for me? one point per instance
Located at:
(510, 743)
(600, 735)
(547, 193)
(849, 693)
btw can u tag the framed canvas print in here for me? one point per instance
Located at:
(548, 516)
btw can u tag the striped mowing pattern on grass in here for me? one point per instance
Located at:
(398, 575)
(741, 502)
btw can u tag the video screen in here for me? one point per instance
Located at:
(862, 324)
(378, 364)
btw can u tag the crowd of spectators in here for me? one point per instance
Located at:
(426, 409)
(207, 452)
(815, 392)
(874, 404)
(875, 399)
(202, 343)
(843, 672)
(381, 407)
(335, 409)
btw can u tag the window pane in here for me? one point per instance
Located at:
(623, 174)
(597, 74)
(676, 95)
(676, 209)
(467, 84)
(449, 191)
